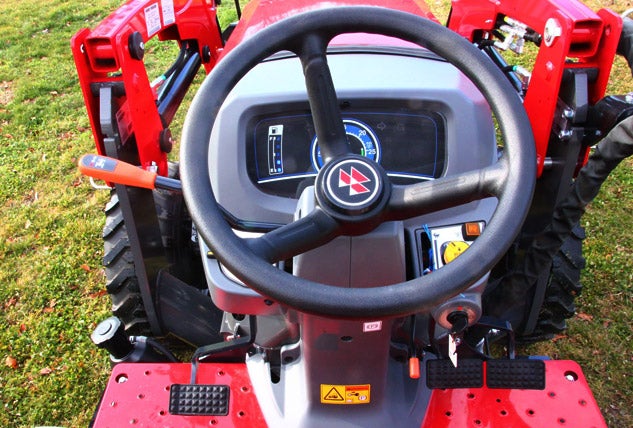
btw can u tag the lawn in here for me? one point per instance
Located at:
(51, 279)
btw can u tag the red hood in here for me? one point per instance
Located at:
(259, 14)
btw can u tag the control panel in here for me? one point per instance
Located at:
(441, 245)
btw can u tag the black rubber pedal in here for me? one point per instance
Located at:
(202, 400)
(441, 374)
(515, 374)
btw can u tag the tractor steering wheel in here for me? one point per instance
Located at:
(511, 179)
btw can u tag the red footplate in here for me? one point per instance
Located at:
(566, 401)
(138, 395)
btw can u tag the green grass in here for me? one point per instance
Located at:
(51, 280)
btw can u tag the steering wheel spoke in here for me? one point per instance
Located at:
(307, 233)
(446, 192)
(324, 105)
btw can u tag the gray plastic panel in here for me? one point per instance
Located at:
(358, 77)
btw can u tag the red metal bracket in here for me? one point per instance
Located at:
(573, 37)
(106, 55)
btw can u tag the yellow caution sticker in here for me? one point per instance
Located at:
(345, 394)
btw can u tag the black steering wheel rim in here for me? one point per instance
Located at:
(515, 173)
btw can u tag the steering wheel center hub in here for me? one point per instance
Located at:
(352, 186)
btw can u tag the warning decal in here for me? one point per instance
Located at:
(345, 394)
(333, 395)
(167, 7)
(152, 19)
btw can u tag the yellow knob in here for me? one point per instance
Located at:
(451, 250)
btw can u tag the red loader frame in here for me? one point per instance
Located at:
(112, 53)
(111, 56)
(574, 37)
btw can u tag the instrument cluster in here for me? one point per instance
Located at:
(283, 151)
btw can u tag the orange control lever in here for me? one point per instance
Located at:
(115, 171)
(414, 368)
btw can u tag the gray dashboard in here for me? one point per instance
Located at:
(447, 122)
(449, 129)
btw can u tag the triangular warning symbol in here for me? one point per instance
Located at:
(333, 395)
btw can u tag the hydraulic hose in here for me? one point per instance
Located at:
(608, 153)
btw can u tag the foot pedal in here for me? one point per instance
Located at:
(441, 374)
(515, 374)
(200, 400)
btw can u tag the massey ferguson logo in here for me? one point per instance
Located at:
(354, 179)
(352, 183)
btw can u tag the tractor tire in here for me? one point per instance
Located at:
(507, 298)
(121, 280)
(563, 288)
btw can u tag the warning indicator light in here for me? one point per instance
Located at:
(471, 230)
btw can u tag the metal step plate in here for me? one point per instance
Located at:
(566, 401)
(158, 395)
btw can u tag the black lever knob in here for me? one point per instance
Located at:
(110, 335)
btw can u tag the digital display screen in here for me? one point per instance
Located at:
(283, 153)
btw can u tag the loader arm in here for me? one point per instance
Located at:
(123, 104)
